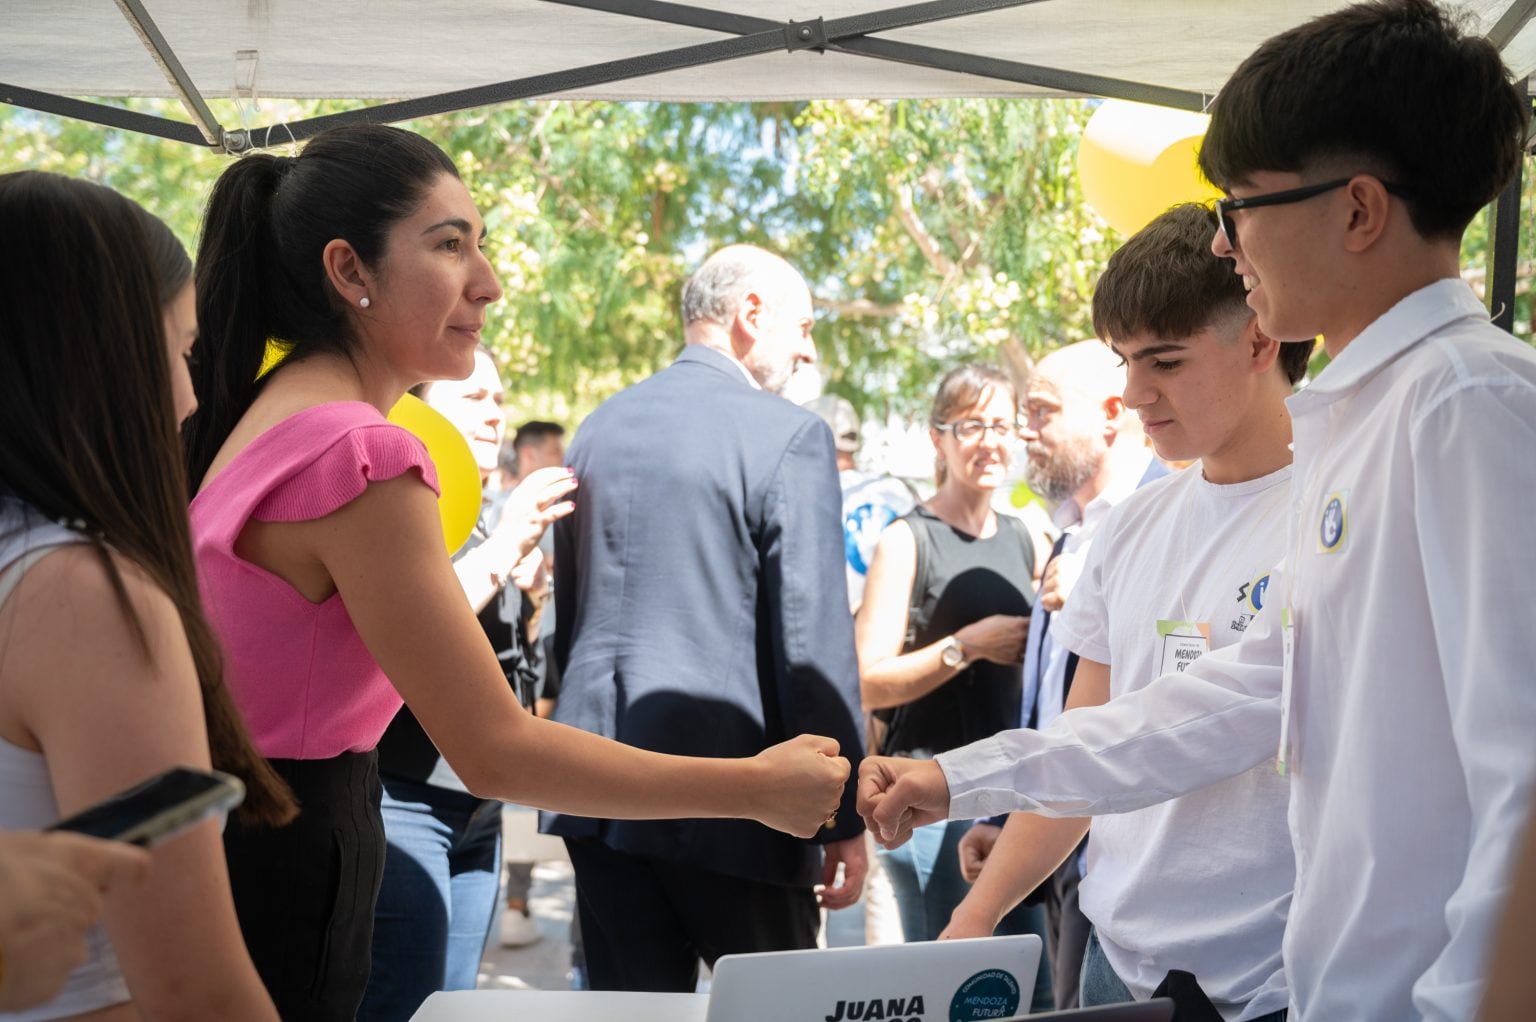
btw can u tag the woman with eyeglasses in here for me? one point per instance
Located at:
(941, 631)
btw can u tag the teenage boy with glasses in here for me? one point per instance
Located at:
(1392, 666)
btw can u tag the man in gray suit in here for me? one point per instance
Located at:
(702, 611)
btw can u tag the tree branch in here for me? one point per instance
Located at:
(906, 212)
(933, 187)
(861, 307)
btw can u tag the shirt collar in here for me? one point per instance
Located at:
(1412, 319)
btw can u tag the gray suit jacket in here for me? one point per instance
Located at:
(700, 598)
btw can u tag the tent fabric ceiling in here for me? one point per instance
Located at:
(392, 49)
(419, 53)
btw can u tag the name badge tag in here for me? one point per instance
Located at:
(1284, 758)
(1182, 643)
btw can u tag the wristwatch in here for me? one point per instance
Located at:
(953, 654)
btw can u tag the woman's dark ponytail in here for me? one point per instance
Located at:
(235, 253)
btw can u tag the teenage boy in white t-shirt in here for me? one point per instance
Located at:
(1202, 882)
(1392, 665)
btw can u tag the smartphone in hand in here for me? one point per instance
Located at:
(148, 813)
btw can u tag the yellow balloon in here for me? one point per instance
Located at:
(458, 477)
(1136, 160)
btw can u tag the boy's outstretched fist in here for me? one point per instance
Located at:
(896, 795)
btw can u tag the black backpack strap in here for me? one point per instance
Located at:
(881, 725)
(922, 546)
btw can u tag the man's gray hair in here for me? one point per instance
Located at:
(715, 290)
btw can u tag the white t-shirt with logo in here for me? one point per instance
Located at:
(1202, 882)
(870, 503)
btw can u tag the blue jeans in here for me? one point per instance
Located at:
(1100, 984)
(438, 898)
(925, 876)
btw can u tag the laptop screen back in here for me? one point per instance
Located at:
(932, 981)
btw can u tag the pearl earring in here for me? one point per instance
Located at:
(363, 301)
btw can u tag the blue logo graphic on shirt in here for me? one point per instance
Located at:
(1330, 533)
(861, 531)
(1256, 593)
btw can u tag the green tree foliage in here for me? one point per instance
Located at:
(931, 231)
(596, 213)
(941, 231)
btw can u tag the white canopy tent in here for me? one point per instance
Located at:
(427, 58)
(446, 56)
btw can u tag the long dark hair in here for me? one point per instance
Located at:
(167, 256)
(260, 273)
(88, 422)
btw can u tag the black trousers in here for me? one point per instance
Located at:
(1066, 930)
(305, 892)
(647, 923)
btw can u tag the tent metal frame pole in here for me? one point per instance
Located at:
(1514, 19)
(819, 34)
(742, 24)
(1027, 74)
(1504, 252)
(909, 53)
(1504, 246)
(1504, 217)
(149, 34)
(100, 113)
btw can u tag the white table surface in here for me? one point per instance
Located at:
(561, 1006)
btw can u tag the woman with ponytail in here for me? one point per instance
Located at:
(109, 673)
(322, 557)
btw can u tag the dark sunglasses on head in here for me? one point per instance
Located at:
(1227, 206)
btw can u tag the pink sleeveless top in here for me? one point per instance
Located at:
(306, 685)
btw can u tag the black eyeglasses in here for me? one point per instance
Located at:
(1228, 206)
(970, 429)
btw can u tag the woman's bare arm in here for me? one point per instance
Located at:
(80, 688)
(385, 556)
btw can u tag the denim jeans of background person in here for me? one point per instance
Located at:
(443, 863)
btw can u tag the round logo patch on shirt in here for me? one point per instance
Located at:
(1333, 526)
(991, 993)
(1256, 592)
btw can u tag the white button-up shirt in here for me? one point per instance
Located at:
(1412, 701)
